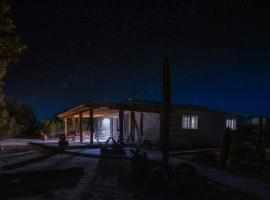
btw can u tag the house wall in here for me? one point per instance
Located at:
(151, 126)
(210, 128)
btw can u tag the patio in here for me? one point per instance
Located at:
(113, 122)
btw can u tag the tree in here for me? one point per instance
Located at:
(24, 116)
(52, 127)
(17, 119)
(11, 47)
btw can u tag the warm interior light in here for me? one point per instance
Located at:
(106, 122)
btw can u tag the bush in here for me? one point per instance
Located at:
(63, 143)
(260, 154)
(247, 152)
(52, 128)
(140, 166)
(206, 157)
(16, 118)
(186, 178)
(159, 178)
(247, 132)
(226, 142)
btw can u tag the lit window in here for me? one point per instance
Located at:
(106, 122)
(255, 121)
(190, 122)
(231, 123)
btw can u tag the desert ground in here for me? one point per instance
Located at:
(30, 172)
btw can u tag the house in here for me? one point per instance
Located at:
(255, 121)
(140, 122)
(259, 127)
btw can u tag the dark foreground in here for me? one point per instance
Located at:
(33, 173)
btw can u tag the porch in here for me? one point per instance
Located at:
(109, 123)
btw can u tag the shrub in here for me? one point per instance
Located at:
(140, 166)
(247, 133)
(63, 143)
(260, 154)
(186, 178)
(159, 177)
(206, 157)
(16, 118)
(52, 128)
(244, 152)
(226, 141)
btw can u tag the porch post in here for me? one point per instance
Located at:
(161, 131)
(81, 131)
(66, 127)
(91, 123)
(73, 123)
(141, 125)
(121, 125)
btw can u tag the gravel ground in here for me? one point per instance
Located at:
(16, 142)
(102, 179)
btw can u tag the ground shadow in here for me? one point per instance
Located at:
(38, 182)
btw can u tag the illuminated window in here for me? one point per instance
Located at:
(255, 121)
(106, 122)
(231, 123)
(190, 122)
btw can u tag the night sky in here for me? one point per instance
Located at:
(110, 50)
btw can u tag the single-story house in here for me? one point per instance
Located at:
(255, 121)
(140, 122)
(259, 126)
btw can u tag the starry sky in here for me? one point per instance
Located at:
(81, 50)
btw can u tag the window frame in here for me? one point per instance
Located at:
(231, 123)
(187, 121)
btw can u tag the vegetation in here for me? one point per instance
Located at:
(225, 148)
(247, 152)
(15, 118)
(52, 127)
(206, 157)
(11, 46)
(63, 143)
(247, 133)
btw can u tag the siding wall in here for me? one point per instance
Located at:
(151, 126)
(210, 128)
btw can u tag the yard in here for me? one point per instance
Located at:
(32, 173)
(248, 169)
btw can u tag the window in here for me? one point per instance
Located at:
(190, 122)
(231, 123)
(255, 121)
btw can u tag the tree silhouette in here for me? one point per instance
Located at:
(11, 48)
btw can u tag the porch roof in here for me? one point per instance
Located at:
(127, 106)
(135, 105)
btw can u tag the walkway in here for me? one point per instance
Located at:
(247, 186)
(258, 189)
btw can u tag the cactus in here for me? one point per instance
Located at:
(225, 146)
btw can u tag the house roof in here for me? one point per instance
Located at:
(134, 105)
